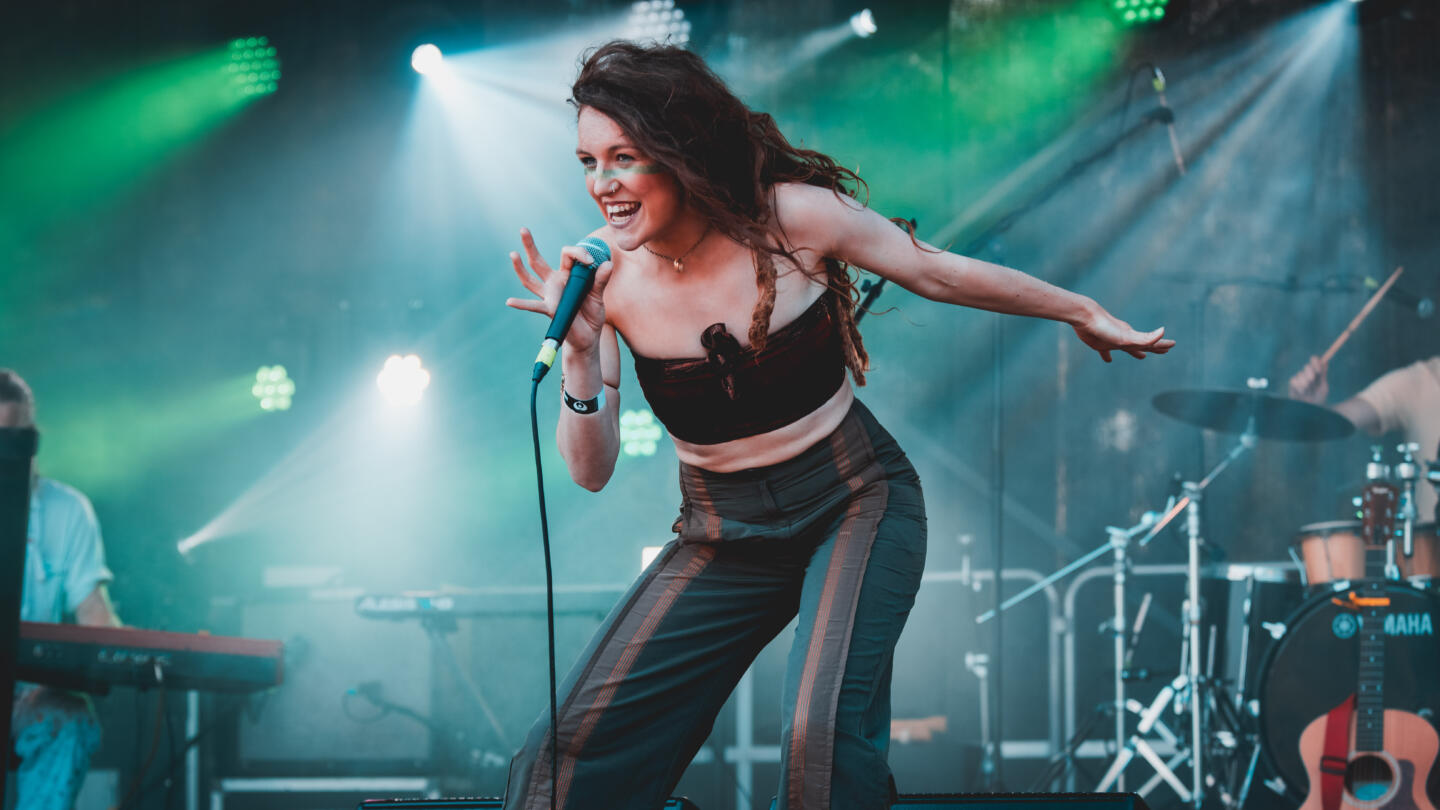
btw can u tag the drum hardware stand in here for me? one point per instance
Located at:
(1191, 681)
(1193, 492)
(1433, 476)
(979, 666)
(1180, 696)
(1407, 472)
(1118, 545)
(1150, 722)
(1195, 689)
(1065, 759)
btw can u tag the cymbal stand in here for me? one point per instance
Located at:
(1191, 680)
(1190, 502)
(1150, 722)
(1192, 686)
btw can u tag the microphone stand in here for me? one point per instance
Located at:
(1167, 115)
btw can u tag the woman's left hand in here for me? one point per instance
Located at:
(1106, 333)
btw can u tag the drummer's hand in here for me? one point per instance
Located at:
(548, 283)
(1106, 333)
(1310, 383)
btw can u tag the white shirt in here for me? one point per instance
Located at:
(64, 556)
(1408, 399)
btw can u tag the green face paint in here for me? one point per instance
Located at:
(623, 171)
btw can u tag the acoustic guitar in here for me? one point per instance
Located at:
(1377, 758)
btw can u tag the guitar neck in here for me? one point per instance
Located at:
(1373, 602)
(1370, 685)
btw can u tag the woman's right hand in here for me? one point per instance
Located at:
(1310, 384)
(548, 283)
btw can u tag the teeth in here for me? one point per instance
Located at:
(622, 209)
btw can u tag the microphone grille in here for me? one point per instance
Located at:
(597, 248)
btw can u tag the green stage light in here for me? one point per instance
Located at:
(273, 388)
(67, 158)
(254, 67)
(1139, 12)
(639, 433)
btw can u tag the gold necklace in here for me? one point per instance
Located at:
(679, 263)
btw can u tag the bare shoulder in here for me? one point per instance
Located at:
(804, 200)
(811, 216)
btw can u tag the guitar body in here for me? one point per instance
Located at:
(1389, 751)
(1410, 748)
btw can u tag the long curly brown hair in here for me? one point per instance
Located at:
(726, 157)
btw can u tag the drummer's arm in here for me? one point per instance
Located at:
(1310, 385)
(1361, 413)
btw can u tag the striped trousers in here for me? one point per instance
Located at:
(835, 536)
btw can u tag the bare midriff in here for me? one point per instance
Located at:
(773, 447)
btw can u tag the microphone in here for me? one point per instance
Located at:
(582, 276)
(1158, 82)
(1422, 305)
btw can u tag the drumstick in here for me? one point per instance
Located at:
(1360, 318)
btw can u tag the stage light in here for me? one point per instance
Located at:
(863, 24)
(403, 380)
(657, 21)
(426, 59)
(1140, 12)
(254, 66)
(639, 433)
(273, 388)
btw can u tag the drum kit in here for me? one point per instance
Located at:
(1284, 669)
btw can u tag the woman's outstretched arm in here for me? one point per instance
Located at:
(818, 220)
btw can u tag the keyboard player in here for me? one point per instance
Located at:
(54, 732)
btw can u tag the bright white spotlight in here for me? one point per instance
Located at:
(426, 59)
(657, 21)
(403, 380)
(863, 23)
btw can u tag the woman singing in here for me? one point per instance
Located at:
(730, 284)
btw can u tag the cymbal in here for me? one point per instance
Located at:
(1288, 420)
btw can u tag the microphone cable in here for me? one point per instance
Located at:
(549, 593)
(582, 277)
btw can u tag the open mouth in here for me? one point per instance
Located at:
(620, 213)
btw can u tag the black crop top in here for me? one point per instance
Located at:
(731, 392)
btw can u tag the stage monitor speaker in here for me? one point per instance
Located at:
(673, 803)
(1022, 801)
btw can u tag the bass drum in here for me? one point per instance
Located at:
(1314, 666)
